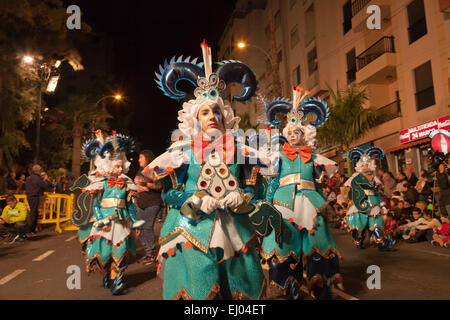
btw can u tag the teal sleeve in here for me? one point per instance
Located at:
(96, 208)
(272, 187)
(176, 198)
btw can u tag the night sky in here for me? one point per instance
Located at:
(141, 34)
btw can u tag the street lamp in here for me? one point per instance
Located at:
(273, 60)
(47, 74)
(117, 97)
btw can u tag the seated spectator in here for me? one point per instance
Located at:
(410, 193)
(13, 221)
(441, 236)
(424, 230)
(405, 229)
(397, 195)
(393, 204)
(422, 205)
(405, 215)
(391, 224)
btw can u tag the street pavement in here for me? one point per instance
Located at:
(39, 269)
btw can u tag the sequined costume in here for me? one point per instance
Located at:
(106, 236)
(365, 213)
(207, 253)
(296, 193)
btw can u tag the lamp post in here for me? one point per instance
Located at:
(47, 74)
(273, 62)
(116, 97)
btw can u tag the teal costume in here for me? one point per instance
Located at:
(364, 215)
(109, 251)
(206, 256)
(297, 195)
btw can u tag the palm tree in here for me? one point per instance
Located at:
(349, 120)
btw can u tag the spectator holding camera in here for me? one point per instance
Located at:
(35, 185)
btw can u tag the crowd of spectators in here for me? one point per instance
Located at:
(413, 213)
(19, 218)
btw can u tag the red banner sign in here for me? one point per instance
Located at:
(423, 130)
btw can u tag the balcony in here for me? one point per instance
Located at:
(360, 15)
(376, 65)
(394, 110)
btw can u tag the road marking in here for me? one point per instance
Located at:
(43, 256)
(11, 276)
(71, 238)
(435, 253)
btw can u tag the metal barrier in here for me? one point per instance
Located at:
(54, 208)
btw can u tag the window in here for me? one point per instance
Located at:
(347, 11)
(277, 19)
(296, 76)
(310, 30)
(312, 61)
(351, 65)
(294, 36)
(417, 22)
(424, 86)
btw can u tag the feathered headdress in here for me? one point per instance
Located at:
(298, 109)
(207, 83)
(114, 146)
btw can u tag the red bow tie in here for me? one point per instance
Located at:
(291, 152)
(120, 183)
(224, 143)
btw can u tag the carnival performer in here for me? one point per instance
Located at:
(296, 193)
(107, 231)
(207, 240)
(365, 212)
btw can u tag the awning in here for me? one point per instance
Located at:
(409, 145)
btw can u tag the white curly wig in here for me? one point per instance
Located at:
(187, 116)
(309, 132)
(105, 166)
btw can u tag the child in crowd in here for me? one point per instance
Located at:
(424, 230)
(405, 229)
(441, 235)
(390, 224)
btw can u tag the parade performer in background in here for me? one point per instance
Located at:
(365, 213)
(297, 194)
(107, 215)
(207, 240)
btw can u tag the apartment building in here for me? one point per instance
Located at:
(402, 59)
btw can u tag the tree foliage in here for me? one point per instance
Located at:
(29, 27)
(349, 120)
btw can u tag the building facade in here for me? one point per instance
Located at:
(397, 50)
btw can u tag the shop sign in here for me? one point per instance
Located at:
(423, 130)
